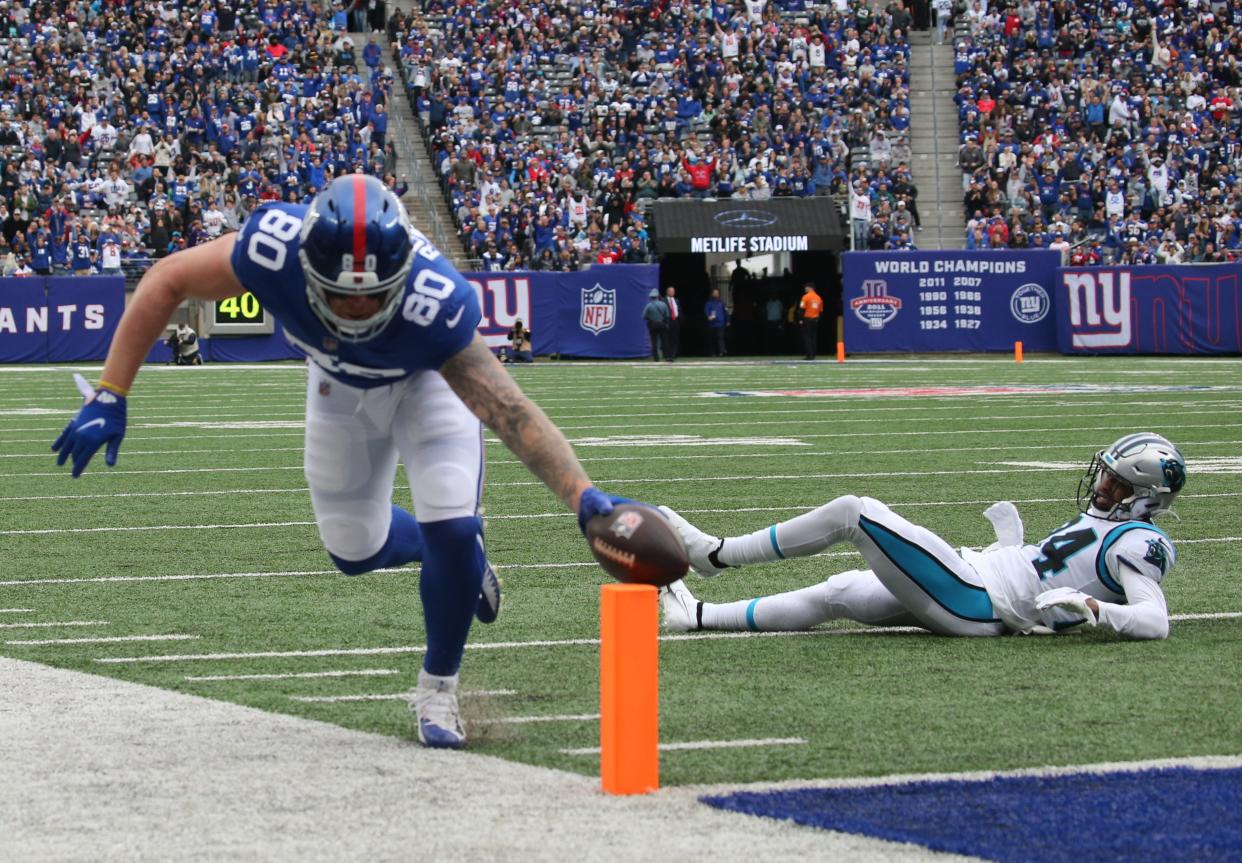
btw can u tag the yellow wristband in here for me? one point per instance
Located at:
(113, 388)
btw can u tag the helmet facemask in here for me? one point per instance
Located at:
(1136, 478)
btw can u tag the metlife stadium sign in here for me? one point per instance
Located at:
(741, 228)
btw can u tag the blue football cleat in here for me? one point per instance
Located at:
(435, 710)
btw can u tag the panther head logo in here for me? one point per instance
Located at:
(1174, 474)
(1157, 554)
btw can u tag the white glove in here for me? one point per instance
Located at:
(1005, 522)
(1066, 599)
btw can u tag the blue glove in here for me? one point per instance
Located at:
(100, 421)
(594, 502)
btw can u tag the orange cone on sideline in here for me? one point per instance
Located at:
(629, 688)
(1017, 352)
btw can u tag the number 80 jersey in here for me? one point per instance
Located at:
(437, 317)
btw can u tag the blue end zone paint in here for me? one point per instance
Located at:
(1151, 816)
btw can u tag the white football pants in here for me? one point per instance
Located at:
(926, 574)
(353, 439)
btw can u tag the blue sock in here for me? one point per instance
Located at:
(404, 545)
(453, 564)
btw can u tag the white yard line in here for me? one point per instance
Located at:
(362, 672)
(101, 640)
(16, 610)
(508, 567)
(691, 745)
(264, 525)
(566, 642)
(528, 720)
(394, 696)
(53, 624)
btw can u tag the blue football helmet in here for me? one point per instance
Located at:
(356, 240)
(1146, 471)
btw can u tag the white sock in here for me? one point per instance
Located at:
(442, 683)
(805, 534)
(782, 612)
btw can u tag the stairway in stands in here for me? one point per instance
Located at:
(425, 202)
(934, 141)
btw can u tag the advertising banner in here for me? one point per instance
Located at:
(948, 301)
(591, 313)
(1188, 309)
(58, 319)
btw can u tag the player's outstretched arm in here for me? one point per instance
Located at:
(203, 272)
(489, 391)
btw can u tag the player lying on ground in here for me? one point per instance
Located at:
(397, 370)
(1103, 567)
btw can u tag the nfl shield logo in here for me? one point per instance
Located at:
(599, 307)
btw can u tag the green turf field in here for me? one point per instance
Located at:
(202, 538)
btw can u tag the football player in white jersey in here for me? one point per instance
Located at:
(1103, 567)
(397, 371)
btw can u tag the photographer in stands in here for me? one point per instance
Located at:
(183, 342)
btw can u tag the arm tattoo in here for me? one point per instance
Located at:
(487, 389)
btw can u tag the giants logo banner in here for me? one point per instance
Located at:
(61, 319)
(949, 300)
(1150, 310)
(592, 313)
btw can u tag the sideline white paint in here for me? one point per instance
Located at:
(704, 744)
(1199, 762)
(16, 610)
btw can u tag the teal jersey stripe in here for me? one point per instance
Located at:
(967, 601)
(1101, 565)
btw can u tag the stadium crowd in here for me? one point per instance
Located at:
(1107, 131)
(555, 125)
(130, 130)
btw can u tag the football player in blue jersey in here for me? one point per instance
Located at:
(397, 371)
(1103, 567)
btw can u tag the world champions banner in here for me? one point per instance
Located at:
(948, 301)
(1189, 309)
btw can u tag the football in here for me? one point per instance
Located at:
(636, 544)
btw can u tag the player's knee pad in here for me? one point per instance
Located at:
(445, 492)
(353, 540)
(840, 513)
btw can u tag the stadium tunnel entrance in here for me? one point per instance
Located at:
(758, 253)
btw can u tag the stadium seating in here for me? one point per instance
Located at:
(1109, 132)
(554, 127)
(159, 125)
